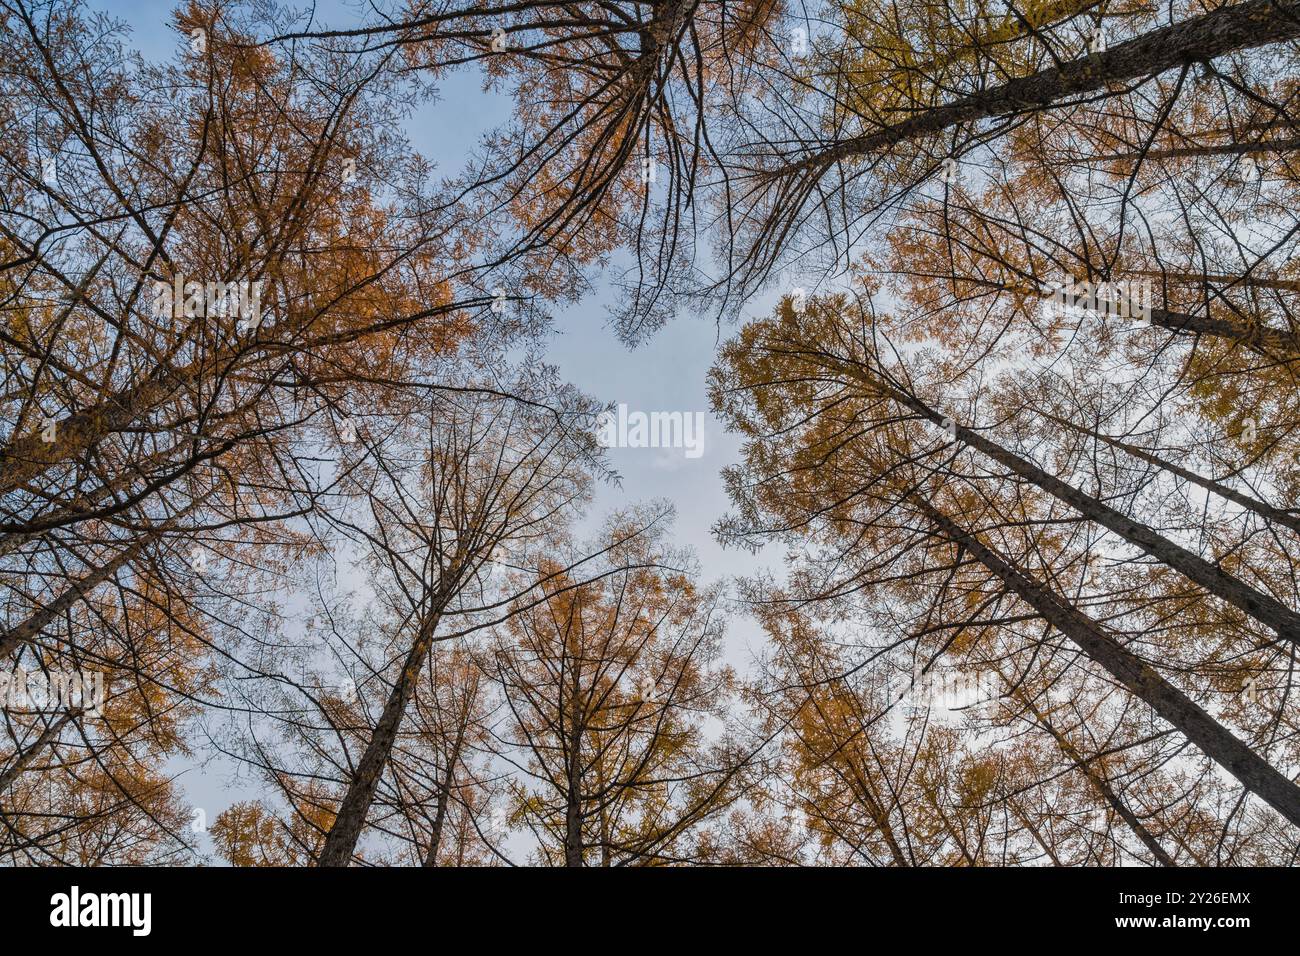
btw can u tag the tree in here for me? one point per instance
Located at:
(432, 502)
(608, 686)
(875, 121)
(838, 453)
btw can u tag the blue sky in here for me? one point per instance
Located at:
(667, 373)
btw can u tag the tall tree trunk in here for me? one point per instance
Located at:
(444, 792)
(341, 841)
(602, 815)
(859, 781)
(1287, 519)
(1183, 152)
(1263, 607)
(28, 629)
(1238, 26)
(1209, 278)
(1028, 824)
(878, 812)
(1268, 341)
(47, 737)
(25, 457)
(573, 821)
(439, 818)
(1099, 782)
(1265, 340)
(573, 799)
(1190, 151)
(1214, 740)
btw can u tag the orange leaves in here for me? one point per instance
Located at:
(249, 834)
(748, 28)
(609, 683)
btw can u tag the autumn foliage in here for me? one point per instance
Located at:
(1006, 298)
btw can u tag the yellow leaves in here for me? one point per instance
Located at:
(249, 834)
(610, 681)
(914, 53)
(978, 779)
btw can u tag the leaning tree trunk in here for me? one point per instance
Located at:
(1101, 785)
(1187, 152)
(1262, 607)
(1288, 519)
(1238, 26)
(1215, 741)
(29, 628)
(26, 630)
(342, 838)
(1265, 340)
(47, 737)
(444, 791)
(439, 818)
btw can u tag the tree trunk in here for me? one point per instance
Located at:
(573, 801)
(21, 633)
(29, 754)
(1208, 278)
(1186, 152)
(1268, 341)
(1264, 608)
(1213, 739)
(27, 457)
(435, 837)
(1264, 340)
(1238, 26)
(1263, 509)
(1101, 784)
(444, 794)
(341, 841)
